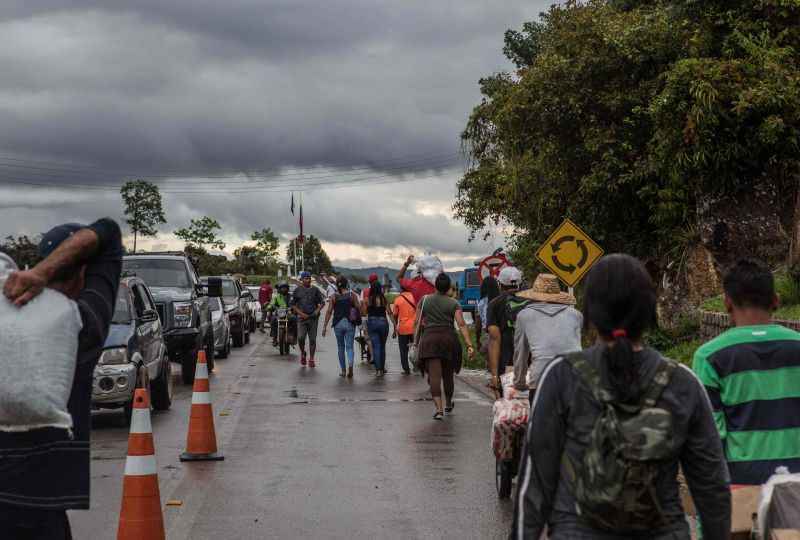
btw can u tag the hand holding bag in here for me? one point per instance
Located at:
(412, 349)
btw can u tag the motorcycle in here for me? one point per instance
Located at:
(287, 329)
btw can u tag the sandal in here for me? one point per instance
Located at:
(438, 416)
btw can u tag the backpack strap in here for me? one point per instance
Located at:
(659, 382)
(590, 375)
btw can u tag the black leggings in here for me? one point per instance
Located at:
(440, 372)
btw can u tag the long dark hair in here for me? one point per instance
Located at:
(375, 294)
(620, 302)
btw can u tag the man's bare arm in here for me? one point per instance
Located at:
(22, 287)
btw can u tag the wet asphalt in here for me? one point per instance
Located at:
(311, 455)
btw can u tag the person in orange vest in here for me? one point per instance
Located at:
(404, 313)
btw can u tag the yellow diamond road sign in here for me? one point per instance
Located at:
(569, 253)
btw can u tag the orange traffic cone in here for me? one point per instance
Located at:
(201, 443)
(140, 517)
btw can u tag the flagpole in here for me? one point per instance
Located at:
(294, 245)
(303, 244)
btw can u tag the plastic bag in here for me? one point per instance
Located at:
(7, 265)
(779, 506)
(38, 349)
(430, 266)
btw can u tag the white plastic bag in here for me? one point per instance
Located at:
(38, 348)
(430, 266)
(778, 503)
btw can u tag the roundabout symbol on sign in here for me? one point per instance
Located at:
(569, 253)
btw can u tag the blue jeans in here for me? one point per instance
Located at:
(345, 333)
(378, 328)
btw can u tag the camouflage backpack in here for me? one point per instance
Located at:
(615, 480)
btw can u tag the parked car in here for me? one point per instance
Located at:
(259, 313)
(254, 306)
(134, 353)
(222, 327)
(236, 306)
(182, 305)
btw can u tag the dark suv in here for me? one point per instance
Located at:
(236, 301)
(181, 303)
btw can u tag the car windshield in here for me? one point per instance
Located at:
(214, 304)
(159, 272)
(122, 309)
(229, 289)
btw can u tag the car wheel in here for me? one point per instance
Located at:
(225, 349)
(210, 352)
(141, 380)
(188, 365)
(162, 387)
(246, 336)
(238, 339)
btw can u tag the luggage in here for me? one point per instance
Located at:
(510, 415)
(38, 349)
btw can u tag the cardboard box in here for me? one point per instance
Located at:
(744, 505)
(785, 534)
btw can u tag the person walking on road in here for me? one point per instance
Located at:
(376, 309)
(439, 351)
(500, 327)
(611, 424)
(45, 472)
(264, 298)
(418, 285)
(746, 372)
(490, 289)
(308, 301)
(404, 313)
(545, 328)
(343, 307)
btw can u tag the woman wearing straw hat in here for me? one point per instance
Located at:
(544, 329)
(439, 351)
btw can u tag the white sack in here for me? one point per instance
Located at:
(429, 266)
(38, 348)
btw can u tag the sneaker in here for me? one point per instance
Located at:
(343, 373)
(449, 408)
(302, 359)
(311, 363)
(406, 372)
(438, 416)
(350, 372)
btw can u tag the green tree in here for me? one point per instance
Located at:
(266, 247)
(22, 249)
(249, 260)
(316, 260)
(201, 233)
(629, 116)
(143, 210)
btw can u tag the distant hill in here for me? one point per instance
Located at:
(363, 273)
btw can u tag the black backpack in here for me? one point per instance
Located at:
(514, 305)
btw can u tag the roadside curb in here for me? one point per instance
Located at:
(476, 382)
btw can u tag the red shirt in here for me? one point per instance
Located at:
(265, 293)
(419, 287)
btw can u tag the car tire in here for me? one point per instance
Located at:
(210, 352)
(247, 337)
(238, 339)
(188, 365)
(162, 387)
(226, 350)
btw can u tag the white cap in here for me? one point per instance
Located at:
(510, 275)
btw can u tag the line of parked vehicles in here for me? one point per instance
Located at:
(166, 313)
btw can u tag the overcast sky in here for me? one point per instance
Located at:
(286, 92)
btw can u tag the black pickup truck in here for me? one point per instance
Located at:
(182, 305)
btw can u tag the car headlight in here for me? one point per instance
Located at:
(116, 356)
(183, 313)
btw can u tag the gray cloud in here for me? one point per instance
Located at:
(147, 86)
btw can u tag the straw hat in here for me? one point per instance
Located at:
(547, 289)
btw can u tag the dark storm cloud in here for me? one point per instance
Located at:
(202, 86)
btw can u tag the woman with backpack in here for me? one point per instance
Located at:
(344, 307)
(376, 310)
(611, 424)
(438, 348)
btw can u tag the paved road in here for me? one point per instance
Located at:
(311, 455)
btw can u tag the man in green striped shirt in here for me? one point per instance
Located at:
(752, 376)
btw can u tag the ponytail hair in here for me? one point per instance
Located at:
(620, 302)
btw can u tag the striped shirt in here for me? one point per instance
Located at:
(752, 376)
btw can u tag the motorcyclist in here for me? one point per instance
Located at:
(280, 300)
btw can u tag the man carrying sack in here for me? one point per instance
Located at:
(45, 471)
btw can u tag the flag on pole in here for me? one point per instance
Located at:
(301, 222)
(292, 207)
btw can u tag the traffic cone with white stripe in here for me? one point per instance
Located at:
(201, 443)
(141, 517)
